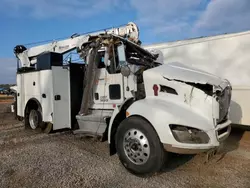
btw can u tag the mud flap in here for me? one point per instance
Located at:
(210, 154)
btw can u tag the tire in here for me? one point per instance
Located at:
(138, 147)
(42, 126)
(39, 126)
(34, 119)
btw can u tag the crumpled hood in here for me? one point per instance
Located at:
(180, 72)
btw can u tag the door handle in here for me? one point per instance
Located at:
(57, 97)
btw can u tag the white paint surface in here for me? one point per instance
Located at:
(226, 56)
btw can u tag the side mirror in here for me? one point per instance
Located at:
(121, 55)
(125, 71)
(106, 58)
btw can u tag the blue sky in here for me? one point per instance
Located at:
(29, 21)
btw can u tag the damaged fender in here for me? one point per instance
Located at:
(162, 113)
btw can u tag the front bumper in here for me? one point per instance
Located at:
(216, 135)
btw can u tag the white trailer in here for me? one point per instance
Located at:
(122, 94)
(226, 56)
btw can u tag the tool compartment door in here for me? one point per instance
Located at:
(61, 98)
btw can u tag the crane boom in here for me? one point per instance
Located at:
(28, 57)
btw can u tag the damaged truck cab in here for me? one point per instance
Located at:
(174, 109)
(123, 94)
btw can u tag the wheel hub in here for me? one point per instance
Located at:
(136, 146)
(33, 119)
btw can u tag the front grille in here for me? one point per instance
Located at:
(224, 103)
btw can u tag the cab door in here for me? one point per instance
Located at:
(111, 87)
(108, 90)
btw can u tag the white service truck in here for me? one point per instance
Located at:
(122, 94)
(226, 56)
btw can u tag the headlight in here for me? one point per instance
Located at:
(189, 135)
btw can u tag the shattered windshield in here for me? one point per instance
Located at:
(138, 55)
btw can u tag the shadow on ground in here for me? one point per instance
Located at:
(174, 161)
(233, 141)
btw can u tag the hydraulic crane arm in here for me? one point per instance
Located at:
(28, 57)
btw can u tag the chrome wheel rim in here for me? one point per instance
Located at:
(33, 119)
(136, 146)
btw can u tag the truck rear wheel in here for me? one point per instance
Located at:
(35, 119)
(138, 147)
(35, 122)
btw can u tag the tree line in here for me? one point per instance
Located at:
(6, 86)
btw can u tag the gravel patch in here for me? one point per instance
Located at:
(66, 160)
(33, 159)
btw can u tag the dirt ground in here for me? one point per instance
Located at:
(6, 99)
(33, 159)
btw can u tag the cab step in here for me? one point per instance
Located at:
(93, 124)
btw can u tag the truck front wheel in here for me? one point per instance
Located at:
(138, 146)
